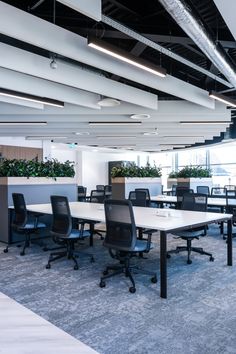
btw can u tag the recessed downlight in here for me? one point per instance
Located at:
(108, 102)
(82, 133)
(140, 116)
(153, 133)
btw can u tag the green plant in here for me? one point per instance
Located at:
(34, 168)
(191, 171)
(132, 170)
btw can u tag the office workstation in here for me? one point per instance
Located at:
(117, 176)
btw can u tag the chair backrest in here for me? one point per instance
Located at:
(231, 204)
(203, 190)
(230, 187)
(146, 190)
(180, 192)
(20, 211)
(97, 196)
(194, 202)
(120, 225)
(218, 192)
(61, 217)
(173, 189)
(138, 198)
(81, 193)
(108, 191)
(100, 187)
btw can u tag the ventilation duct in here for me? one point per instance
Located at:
(195, 29)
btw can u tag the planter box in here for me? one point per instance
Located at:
(171, 182)
(194, 182)
(121, 186)
(36, 190)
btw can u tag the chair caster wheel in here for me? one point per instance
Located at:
(105, 272)
(5, 250)
(102, 284)
(22, 253)
(45, 249)
(154, 279)
(132, 289)
(224, 238)
(189, 261)
(48, 266)
(211, 259)
(76, 267)
(92, 260)
(168, 255)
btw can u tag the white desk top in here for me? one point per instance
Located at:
(159, 219)
(24, 332)
(173, 199)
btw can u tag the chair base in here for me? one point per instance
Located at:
(128, 270)
(190, 249)
(69, 254)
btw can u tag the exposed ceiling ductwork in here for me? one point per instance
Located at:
(195, 29)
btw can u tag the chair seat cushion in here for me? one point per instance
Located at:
(141, 246)
(31, 226)
(77, 234)
(189, 233)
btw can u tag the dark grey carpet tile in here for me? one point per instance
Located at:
(198, 317)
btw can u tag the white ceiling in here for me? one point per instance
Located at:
(81, 89)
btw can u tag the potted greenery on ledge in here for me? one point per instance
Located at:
(34, 168)
(37, 181)
(128, 177)
(191, 176)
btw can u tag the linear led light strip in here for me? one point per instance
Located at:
(222, 98)
(109, 49)
(45, 137)
(22, 123)
(114, 123)
(206, 122)
(32, 98)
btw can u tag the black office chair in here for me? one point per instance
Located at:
(148, 198)
(231, 208)
(100, 187)
(108, 191)
(218, 192)
(230, 187)
(97, 196)
(193, 202)
(203, 190)
(138, 198)
(81, 193)
(21, 222)
(63, 233)
(173, 189)
(121, 240)
(180, 192)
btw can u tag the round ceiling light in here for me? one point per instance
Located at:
(108, 102)
(140, 116)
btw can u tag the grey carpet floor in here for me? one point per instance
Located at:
(198, 317)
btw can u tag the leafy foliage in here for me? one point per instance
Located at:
(132, 170)
(191, 171)
(34, 168)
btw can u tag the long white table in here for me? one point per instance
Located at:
(170, 199)
(24, 332)
(164, 220)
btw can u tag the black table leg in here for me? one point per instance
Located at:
(163, 270)
(91, 229)
(229, 243)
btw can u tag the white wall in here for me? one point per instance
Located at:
(93, 167)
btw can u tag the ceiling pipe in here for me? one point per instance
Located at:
(196, 30)
(148, 42)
